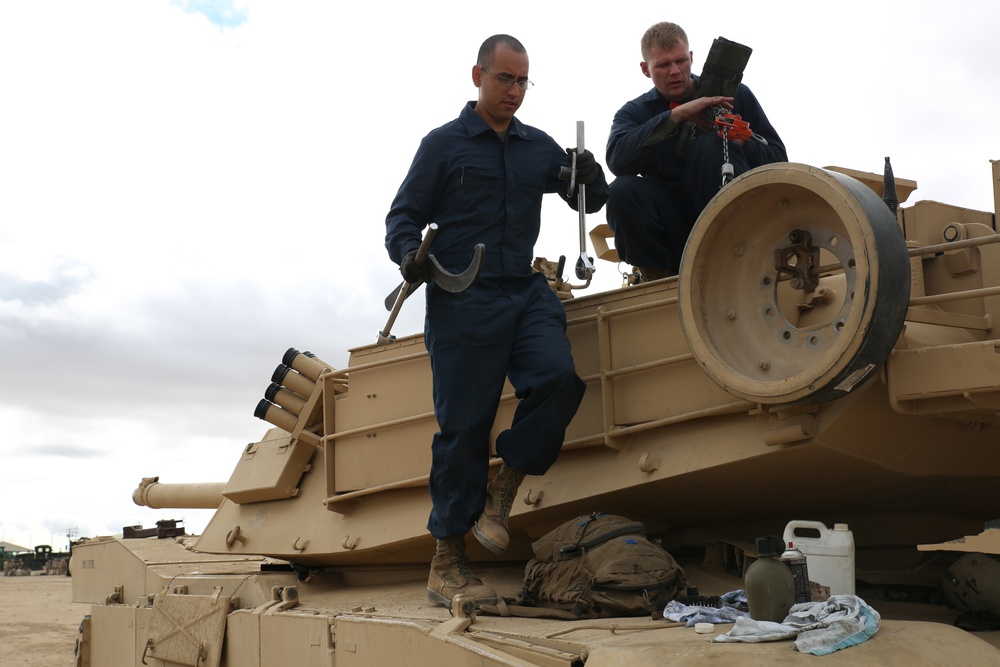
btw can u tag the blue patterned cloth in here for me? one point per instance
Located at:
(817, 627)
(732, 606)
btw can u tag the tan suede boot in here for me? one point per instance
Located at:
(450, 575)
(491, 529)
(649, 275)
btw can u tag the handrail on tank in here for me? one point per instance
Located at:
(603, 313)
(385, 362)
(411, 483)
(956, 296)
(612, 430)
(647, 365)
(392, 423)
(714, 411)
(960, 295)
(954, 245)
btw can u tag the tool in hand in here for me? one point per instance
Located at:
(732, 126)
(450, 282)
(584, 265)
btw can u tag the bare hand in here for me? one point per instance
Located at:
(694, 110)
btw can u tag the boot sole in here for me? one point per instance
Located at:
(498, 549)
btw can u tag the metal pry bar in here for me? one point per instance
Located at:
(449, 282)
(403, 290)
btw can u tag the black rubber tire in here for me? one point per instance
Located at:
(734, 309)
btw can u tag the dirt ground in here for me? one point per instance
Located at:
(40, 622)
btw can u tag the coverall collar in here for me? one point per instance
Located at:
(474, 123)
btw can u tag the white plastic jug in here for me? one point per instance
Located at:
(829, 556)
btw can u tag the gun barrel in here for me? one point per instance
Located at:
(151, 493)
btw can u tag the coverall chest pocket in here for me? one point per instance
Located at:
(478, 190)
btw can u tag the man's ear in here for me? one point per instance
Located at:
(477, 75)
(645, 68)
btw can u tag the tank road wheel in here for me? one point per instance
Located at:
(794, 285)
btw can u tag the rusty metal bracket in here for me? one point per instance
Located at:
(799, 260)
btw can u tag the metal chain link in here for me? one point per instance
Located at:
(725, 154)
(239, 585)
(727, 167)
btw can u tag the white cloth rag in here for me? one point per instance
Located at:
(818, 627)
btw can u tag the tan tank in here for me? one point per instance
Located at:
(811, 363)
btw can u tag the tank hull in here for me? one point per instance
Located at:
(719, 407)
(378, 615)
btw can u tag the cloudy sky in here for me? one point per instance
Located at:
(190, 187)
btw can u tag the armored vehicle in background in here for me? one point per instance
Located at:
(822, 356)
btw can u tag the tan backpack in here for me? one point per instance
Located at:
(598, 565)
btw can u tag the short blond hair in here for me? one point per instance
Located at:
(664, 35)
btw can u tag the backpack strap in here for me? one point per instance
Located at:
(508, 609)
(583, 602)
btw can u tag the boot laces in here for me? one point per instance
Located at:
(510, 479)
(462, 562)
(507, 492)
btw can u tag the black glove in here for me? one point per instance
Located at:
(414, 273)
(587, 169)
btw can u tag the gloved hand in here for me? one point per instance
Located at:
(587, 169)
(414, 273)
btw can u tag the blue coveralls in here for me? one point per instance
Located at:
(510, 323)
(658, 195)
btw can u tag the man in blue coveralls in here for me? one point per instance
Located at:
(668, 157)
(481, 178)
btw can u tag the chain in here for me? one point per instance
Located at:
(725, 153)
(242, 581)
(727, 167)
(713, 113)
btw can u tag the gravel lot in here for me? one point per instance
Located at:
(40, 624)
